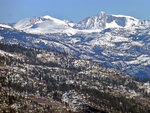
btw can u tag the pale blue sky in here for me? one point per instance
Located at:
(74, 10)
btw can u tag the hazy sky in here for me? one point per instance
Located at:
(74, 10)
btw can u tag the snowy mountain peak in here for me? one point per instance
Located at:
(44, 25)
(101, 13)
(90, 23)
(47, 17)
(103, 21)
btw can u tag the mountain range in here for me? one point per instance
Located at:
(117, 41)
(101, 21)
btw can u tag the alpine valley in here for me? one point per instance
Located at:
(49, 65)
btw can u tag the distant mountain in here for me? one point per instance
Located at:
(44, 25)
(103, 21)
(118, 41)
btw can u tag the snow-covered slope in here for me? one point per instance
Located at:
(44, 25)
(95, 22)
(27, 23)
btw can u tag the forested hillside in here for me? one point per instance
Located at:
(35, 80)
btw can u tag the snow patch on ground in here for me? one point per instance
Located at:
(137, 43)
(5, 26)
(143, 60)
(112, 25)
(1, 38)
(74, 40)
(3, 53)
(119, 39)
(147, 86)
